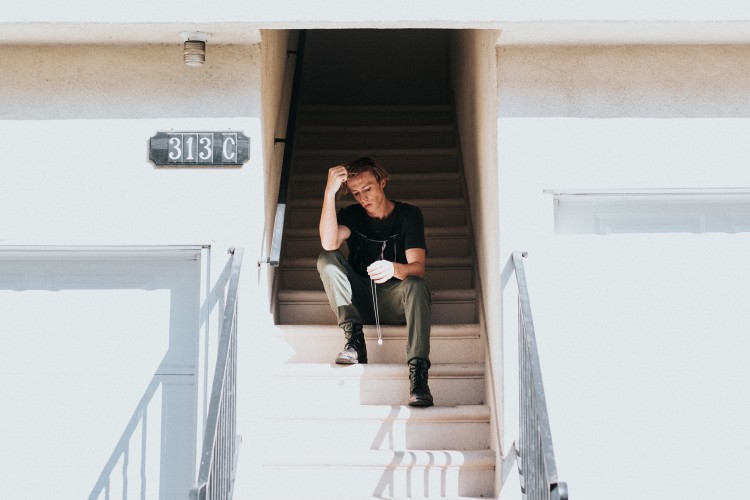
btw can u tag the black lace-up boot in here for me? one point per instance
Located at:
(355, 350)
(419, 391)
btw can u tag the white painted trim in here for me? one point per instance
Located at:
(652, 192)
(651, 210)
(62, 252)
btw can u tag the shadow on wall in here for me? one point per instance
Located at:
(125, 472)
(131, 455)
(643, 81)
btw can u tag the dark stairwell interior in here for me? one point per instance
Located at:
(385, 94)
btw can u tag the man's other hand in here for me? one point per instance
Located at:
(381, 271)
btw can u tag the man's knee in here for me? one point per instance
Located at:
(327, 259)
(416, 287)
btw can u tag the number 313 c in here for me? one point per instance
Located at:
(202, 148)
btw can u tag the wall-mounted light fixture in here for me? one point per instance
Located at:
(194, 47)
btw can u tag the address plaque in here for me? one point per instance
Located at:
(199, 149)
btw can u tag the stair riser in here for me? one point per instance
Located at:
(324, 350)
(397, 436)
(396, 191)
(375, 118)
(418, 164)
(344, 140)
(318, 313)
(376, 391)
(433, 217)
(437, 246)
(339, 483)
(437, 278)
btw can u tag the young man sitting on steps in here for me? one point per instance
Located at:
(382, 280)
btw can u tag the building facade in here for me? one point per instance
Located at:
(607, 141)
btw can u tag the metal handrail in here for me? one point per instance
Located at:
(536, 456)
(286, 164)
(220, 440)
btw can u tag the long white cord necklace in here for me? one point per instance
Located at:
(374, 290)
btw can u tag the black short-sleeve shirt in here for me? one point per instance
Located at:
(386, 239)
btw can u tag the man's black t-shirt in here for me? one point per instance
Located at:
(386, 239)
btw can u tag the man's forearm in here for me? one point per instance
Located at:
(331, 235)
(403, 271)
(329, 227)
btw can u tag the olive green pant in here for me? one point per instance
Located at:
(399, 302)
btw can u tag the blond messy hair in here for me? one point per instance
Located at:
(360, 166)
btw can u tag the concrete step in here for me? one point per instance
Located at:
(378, 137)
(320, 343)
(307, 307)
(451, 241)
(336, 495)
(318, 384)
(442, 273)
(395, 160)
(424, 185)
(374, 115)
(322, 474)
(380, 427)
(305, 213)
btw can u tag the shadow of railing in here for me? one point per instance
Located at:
(122, 448)
(121, 454)
(417, 469)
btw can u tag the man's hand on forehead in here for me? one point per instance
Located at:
(336, 177)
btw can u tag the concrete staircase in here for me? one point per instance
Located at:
(346, 432)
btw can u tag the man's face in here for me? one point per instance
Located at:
(368, 192)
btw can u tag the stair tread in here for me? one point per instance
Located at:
(454, 294)
(402, 177)
(387, 459)
(454, 343)
(422, 203)
(455, 331)
(410, 497)
(433, 262)
(384, 370)
(383, 413)
(376, 129)
(377, 153)
(359, 496)
(432, 231)
(369, 108)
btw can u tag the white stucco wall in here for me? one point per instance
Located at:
(642, 337)
(276, 74)
(74, 127)
(77, 122)
(475, 85)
